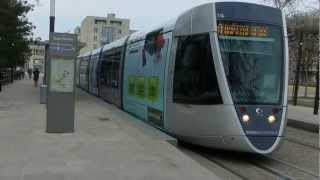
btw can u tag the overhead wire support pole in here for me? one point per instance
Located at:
(316, 99)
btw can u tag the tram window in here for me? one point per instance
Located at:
(195, 80)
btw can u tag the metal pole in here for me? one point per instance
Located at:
(46, 49)
(297, 77)
(316, 99)
(52, 14)
(51, 30)
(1, 79)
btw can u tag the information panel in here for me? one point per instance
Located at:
(62, 75)
(61, 86)
(62, 62)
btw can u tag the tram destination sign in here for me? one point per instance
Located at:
(244, 30)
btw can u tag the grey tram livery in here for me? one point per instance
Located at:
(215, 76)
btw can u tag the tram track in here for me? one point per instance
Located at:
(303, 144)
(291, 161)
(305, 138)
(291, 166)
(242, 165)
(272, 170)
(251, 166)
(222, 165)
(256, 169)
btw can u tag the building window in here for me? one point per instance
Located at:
(95, 30)
(95, 38)
(195, 80)
(117, 23)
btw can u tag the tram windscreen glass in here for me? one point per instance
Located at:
(252, 55)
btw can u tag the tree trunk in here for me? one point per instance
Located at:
(297, 77)
(0, 80)
(316, 99)
(306, 83)
(12, 74)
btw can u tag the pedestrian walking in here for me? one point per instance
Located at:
(30, 73)
(22, 73)
(36, 74)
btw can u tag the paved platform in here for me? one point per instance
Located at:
(303, 114)
(303, 118)
(107, 144)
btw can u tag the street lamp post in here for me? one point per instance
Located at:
(52, 14)
(44, 90)
(51, 30)
(316, 99)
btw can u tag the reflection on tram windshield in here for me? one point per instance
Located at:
(253, 66)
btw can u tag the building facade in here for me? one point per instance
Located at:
(97, 31)
(37, 58)
(77, 32)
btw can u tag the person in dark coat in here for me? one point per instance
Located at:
(30, 73)
(36, 74)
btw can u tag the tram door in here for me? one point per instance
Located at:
(110, 77)
(192, 82)
(91, 74)
(94, 73)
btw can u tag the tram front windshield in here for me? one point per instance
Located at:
(252, 55)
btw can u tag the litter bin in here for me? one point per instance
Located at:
(43, 94)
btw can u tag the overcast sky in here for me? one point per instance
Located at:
(142, 13)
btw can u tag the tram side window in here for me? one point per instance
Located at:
(195, 80)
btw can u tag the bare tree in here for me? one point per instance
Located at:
(281, 4)
(303, 44)
(292, 7)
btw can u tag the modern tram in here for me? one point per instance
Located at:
(215, 76)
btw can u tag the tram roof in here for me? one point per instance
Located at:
(200, 19)
(115, 44)
(141, 35)
(96, 51)
(84, 54)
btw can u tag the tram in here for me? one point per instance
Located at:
(214, 76)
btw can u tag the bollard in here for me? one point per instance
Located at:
(43, 94)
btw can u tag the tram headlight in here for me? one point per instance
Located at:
(245, 118)
(271, 119)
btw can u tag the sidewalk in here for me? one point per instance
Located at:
(303, 117)
(107, 143)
